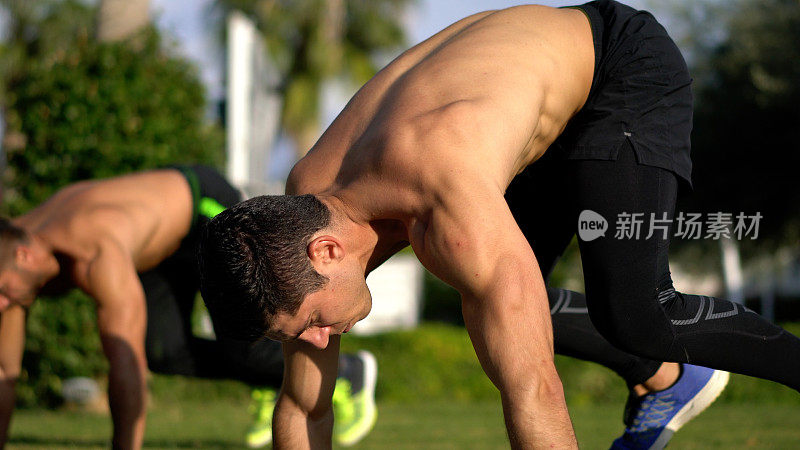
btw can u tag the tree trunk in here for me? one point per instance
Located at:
(118, 20)
(332, 30)
(306, 138)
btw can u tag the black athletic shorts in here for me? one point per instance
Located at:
(641, 93)
(171, 287)
(211, 194)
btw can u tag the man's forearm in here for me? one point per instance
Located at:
(510, 330)
(295, 429)
(12, 344)
(127, 400)
(7, 400)
(538, 418)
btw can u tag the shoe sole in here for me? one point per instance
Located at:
(370, 380)
(716, 384)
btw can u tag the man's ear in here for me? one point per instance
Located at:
(325, 249)
(23, 255)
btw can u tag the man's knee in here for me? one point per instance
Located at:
(642, 331)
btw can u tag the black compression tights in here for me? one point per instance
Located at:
(629, 294)
(575, 335)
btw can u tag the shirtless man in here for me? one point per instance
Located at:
(130, 243)
(480, 147)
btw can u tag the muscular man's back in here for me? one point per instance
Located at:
(147, 213)
(405, 125)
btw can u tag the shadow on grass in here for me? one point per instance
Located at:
(94, 443)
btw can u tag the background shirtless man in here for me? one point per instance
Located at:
(452, 148)
(130, 243)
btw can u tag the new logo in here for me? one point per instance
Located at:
(591, 225)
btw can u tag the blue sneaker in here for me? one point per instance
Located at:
(652, 419)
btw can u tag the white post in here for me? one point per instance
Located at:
(732, 270)
(253, 108)
(241, 33)
(396, 288)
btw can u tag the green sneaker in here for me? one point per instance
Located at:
(261, 407)
(354, 400)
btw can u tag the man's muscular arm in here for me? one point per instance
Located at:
(12, 343)
(122, 320)
(303, 417)
(471, 241)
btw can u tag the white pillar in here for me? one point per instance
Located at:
(732, 270)
(253, 108)
(241, 34)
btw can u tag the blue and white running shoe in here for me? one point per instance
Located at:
(652, 419)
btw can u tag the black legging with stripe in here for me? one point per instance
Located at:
(629, 294)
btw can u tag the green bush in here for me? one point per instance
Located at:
(98, 110)
(62, 342)
(436, 362)
(79, 109)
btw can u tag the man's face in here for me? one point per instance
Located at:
(17, 287)
(332, 310)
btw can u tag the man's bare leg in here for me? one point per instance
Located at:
(665, 377)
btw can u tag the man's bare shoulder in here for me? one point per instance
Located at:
(147, 213)
(463, 109)
(494, 95)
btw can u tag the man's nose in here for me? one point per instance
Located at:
(4, 303)
(317, 336)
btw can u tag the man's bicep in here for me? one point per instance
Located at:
(120, 298)
(310, 374)
(482, 253)
(465, 242)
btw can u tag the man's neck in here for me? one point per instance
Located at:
(48, 263)
(392, 237)
(371, 241)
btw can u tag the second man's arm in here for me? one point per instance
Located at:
(122, 321)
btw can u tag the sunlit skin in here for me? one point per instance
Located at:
(324, 313)
(319, 318)
(15, 291)
(422, 155)
(22, 278)
(96, 236)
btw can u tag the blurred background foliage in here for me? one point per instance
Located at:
(747, 111)
(437, 362)
(76, 108)
(61, 342)
(311, 41)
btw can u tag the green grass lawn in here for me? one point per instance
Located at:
(432, 394)
(436, 425)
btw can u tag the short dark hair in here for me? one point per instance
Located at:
(254, 262)
(10, 235)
